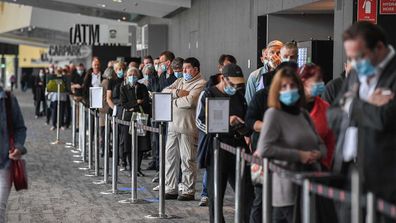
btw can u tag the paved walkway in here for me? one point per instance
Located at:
(60, 192)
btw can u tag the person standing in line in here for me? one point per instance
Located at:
(19, 130)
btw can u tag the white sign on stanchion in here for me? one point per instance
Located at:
(217, 115)
(162, 107)
(96, 97)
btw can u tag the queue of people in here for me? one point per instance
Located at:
(283, 111)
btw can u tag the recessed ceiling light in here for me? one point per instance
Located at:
(123, 18)
(103, 5)
(119, 1)
(118, 20)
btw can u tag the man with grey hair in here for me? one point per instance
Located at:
(271, 59)
(177, 67)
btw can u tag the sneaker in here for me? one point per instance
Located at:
(63, 128)
(156, 188)
(156, 178)
(204, 201)
(186, 197)
(171, 196)
(124, 168)
(52, 128)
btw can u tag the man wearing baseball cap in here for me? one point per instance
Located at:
(230, 85)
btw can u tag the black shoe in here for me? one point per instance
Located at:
(171, 196)
(140, 174)
(186, 197)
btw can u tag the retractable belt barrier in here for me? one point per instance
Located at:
(303, 179)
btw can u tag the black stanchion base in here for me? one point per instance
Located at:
(77, 156)
(69, 146)
(130, 201)
(75, 151)
(90, 174)
(159, 216)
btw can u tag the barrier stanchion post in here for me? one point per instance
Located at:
(356, 211)
(96, 142)
(57, 141)
(106, 151)
(370, 215)
(89, 139)
(306, 202)
(83, 133)
(114, 170)
(217, 211)
(238, 187)
(73, 143)
(267, 192)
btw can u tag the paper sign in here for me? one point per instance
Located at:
(388, 7)
(367, 11)
(217, 115)
(96, 97)
(162, 107)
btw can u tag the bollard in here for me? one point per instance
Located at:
(217, 211)
(106, 151)
(89, 139)
(114, 176)
(238, 187)
(96, 144)
(356, 211)
(57, 141)
(306, 202)
(267, 192)
(370, 216)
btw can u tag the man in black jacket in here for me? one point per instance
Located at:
(368, 97)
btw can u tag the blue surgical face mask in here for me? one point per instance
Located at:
(285, 59)
(132, 80)
(120, 74)
(80, 72)
(156, 67)
(364, 67)
(145, 76)
(317, 89)
(289, 97)
(229, 90)
(187, 76)
(178, 74)
(163, 68)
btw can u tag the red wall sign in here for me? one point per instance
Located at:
(367, 11)
(387, 6)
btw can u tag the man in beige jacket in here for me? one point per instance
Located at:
(182, 138)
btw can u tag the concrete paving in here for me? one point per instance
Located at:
(60, 192)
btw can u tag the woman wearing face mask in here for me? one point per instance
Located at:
(113, 96)
(134, 98)
(311, 77)
(230, 78)
(288, 136)
(148, 74)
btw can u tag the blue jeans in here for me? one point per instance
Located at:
(204, 192)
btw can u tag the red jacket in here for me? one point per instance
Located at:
(318, 116)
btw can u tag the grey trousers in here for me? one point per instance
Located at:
(180, 147)
(5, 187)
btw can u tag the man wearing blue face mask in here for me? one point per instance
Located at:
(182, 137)
(368, 98)
(231, 77)
(165, 71)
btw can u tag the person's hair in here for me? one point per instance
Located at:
(273, 97)
(177, 63)
(81, 65)
(109, 73)
(168, 55)
(309, 70)
(148, 67)
(95, 58)
(267, 80)
(148, 57)
(193, 61)
(133, 69)
(228, 57)
(370, 33)
(290, 45)
(119, 64)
